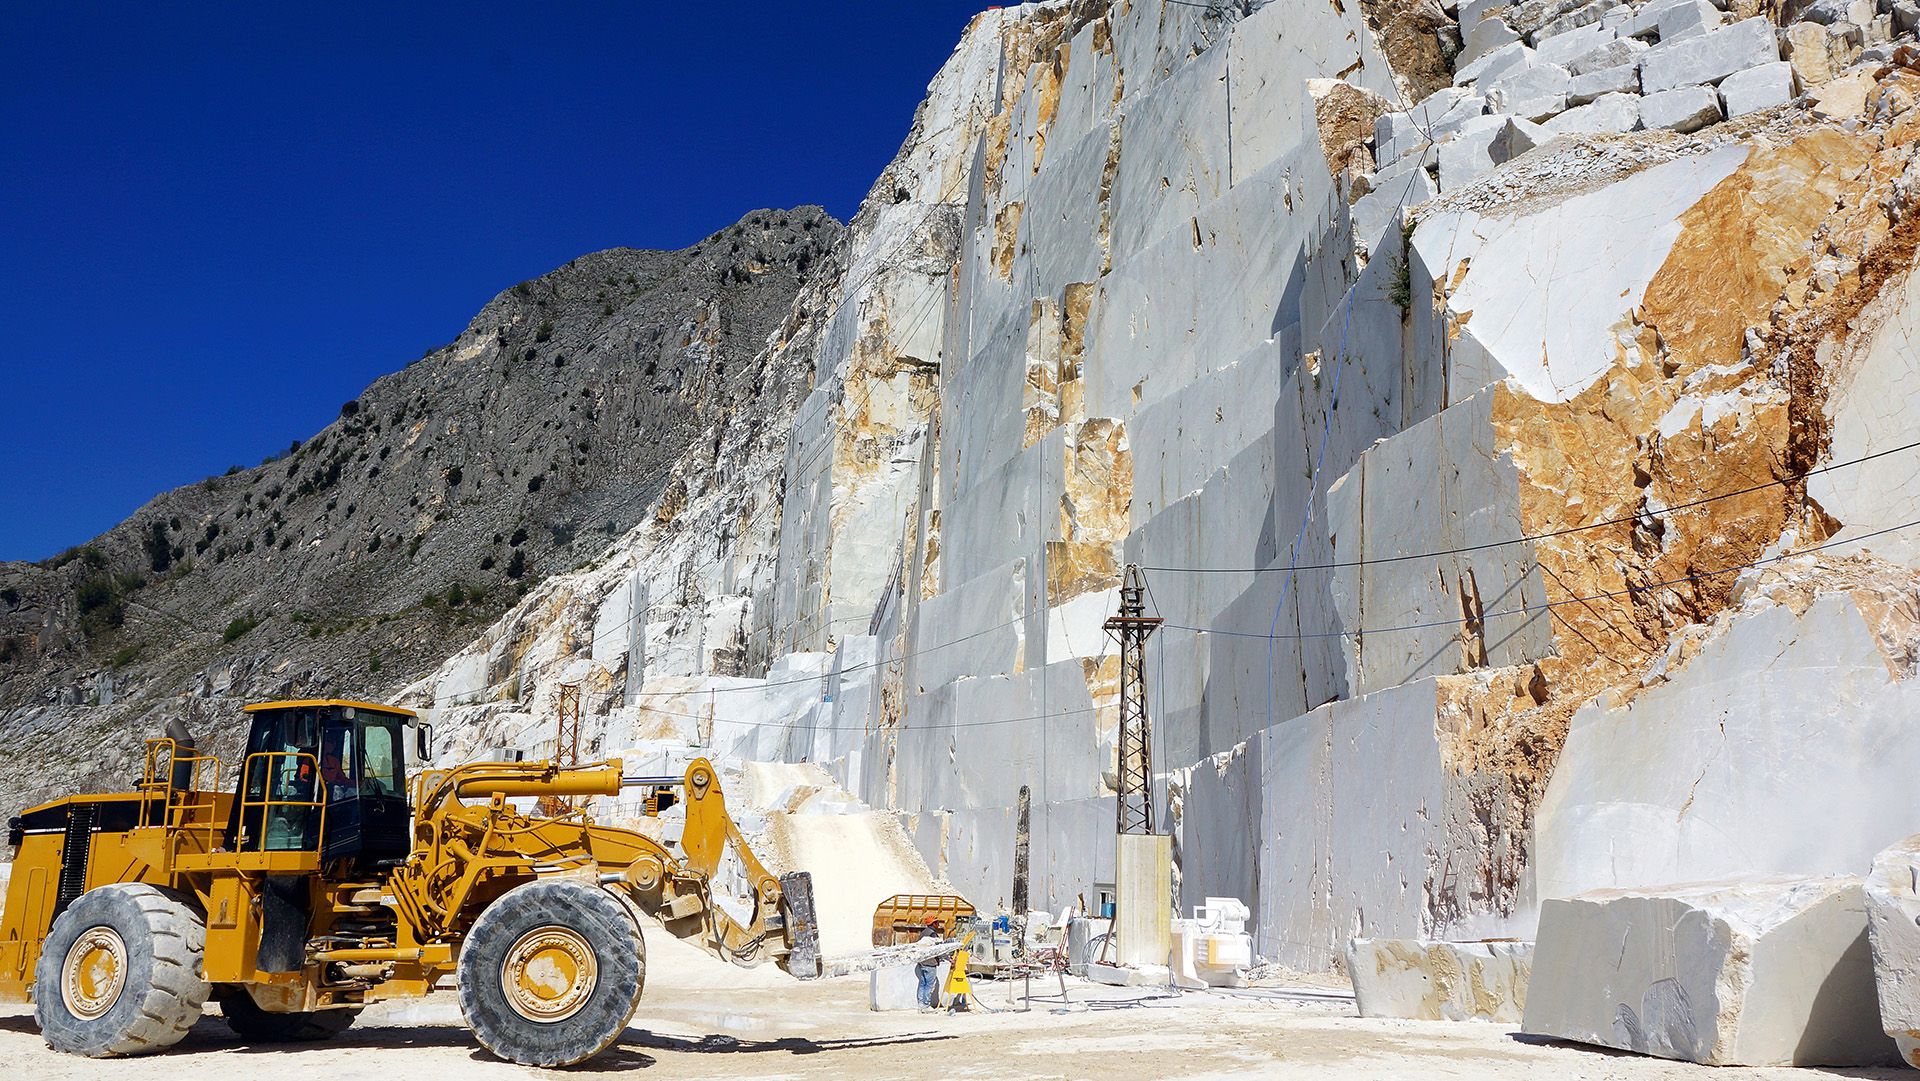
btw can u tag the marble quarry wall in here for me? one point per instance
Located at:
(1520, 471)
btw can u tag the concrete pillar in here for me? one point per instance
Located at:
(1143, 899)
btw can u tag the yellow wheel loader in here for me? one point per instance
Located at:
(323, 881)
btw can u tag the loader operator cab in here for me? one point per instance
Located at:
(326, 776)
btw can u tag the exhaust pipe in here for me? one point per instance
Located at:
(183, 747)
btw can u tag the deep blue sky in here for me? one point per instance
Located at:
(220, 221)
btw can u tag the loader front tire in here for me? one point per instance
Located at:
(120, 972)
(255, 1025)
(551, 973)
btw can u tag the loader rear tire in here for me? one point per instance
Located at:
(255, 1025)
(120, 972)
(551, 973)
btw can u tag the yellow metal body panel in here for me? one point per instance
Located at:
(902, 917)
(30, 897)
(233, 929)
(309, 703)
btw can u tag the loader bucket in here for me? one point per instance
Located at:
(803, 930)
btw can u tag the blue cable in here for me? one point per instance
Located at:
(1306, 514)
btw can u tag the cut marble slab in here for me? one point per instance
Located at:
(1767, 971)
(1422, 980)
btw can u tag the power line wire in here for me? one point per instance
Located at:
(1651, 512)
(1533, 609)
(716, 719)
(546, 665)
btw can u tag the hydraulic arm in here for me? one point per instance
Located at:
(713, 892)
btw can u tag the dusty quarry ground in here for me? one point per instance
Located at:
(701, 1019)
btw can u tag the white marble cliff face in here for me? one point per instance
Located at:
(1734, 764)
(1131, 293)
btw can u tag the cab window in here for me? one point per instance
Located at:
(283, 776)
(380, 758)
(336, 759)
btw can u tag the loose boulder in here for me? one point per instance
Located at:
(1893, 927)
(1689, 108)
(1758, 88)
(1440, 981)
(1771, 971)
(1709, 57)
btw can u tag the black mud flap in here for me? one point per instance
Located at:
(803, 929)
(283, 924)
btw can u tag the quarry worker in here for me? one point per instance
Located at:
(334, 774)
(928, 971)
(332, 771)
(957, 986)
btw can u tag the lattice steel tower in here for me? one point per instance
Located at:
(1134, 804)
(566, 744)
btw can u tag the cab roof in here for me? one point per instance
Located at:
(311, 702)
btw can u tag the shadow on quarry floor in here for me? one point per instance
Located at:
(623, 1056)
(213, 1035)
(795, 1045)
(1571, 1045)
(1878, 1073)
(612, 1059)
(629, 1053)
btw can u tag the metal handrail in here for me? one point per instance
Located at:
(267, 801)
(162, 758)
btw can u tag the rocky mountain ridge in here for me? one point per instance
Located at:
(440, 495)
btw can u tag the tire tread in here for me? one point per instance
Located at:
(174, 938)
(602, 920)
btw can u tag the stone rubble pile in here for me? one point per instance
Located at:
(1529, 71)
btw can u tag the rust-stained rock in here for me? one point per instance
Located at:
(1845, 97)
(1006, 238)
(1344, 116)
(1076, 567)
(1744, 243)
(1817, 53)
(1041, 396)
(1099, 482)
(1406, 30)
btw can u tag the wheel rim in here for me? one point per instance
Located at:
(94, 973)
(549, 974)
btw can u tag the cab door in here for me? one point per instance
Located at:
(280, 796)
(340, 775)
(386, 818)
